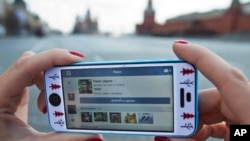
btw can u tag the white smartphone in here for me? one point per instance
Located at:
(149, 97)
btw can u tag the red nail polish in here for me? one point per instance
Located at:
(161, 139)
(94, 139)
(77, 54)
(44, 110)
(181, 41)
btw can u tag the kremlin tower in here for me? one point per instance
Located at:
(149, 20)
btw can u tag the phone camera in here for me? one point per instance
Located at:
(55, 99)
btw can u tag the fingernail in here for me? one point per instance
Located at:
(181, 41)
(94, 139)
(77, 54)
(161, 139)
(44, 110)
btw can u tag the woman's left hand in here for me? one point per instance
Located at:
(14, 96)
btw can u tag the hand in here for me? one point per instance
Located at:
(227, 103)
(14, 96)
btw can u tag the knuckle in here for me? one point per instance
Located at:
(238, 74)
(232, 79)
(24, 59)
(21, 61)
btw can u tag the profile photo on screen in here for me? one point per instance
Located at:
(85, 86)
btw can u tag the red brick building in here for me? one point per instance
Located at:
(236, 19)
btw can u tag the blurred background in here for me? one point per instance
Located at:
(106, 30)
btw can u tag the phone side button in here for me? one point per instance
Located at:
(182, 99)
(189, 97)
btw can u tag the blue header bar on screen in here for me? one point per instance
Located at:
(125, 100)
(119, 71)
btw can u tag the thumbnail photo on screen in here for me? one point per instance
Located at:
(85, 86)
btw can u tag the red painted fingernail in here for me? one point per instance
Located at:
(94, 139)
(77, 54)
(161, 139)
(44, 110)
(181, 41)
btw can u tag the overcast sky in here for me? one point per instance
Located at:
(116, 16)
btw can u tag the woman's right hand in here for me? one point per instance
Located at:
(227, 103)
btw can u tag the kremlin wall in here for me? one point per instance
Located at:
(235, 19)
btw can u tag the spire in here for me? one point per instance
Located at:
(235, 10)
(235, 5)
(236, 2)
(20, 3)
(150, 6)
(88, 15)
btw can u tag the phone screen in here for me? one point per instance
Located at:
(136, 97)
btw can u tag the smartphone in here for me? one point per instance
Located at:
(147, 97)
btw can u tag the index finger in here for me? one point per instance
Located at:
(209, 64)
(25, 69)
(231, 83)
